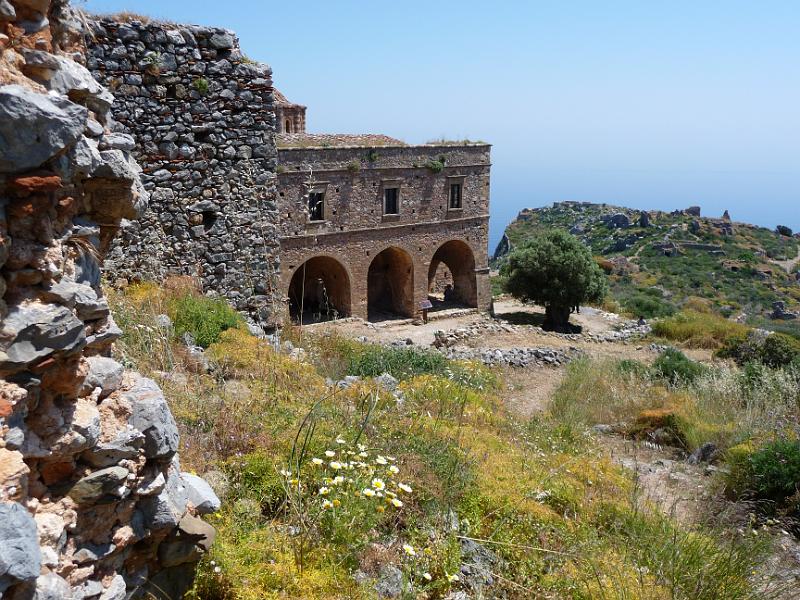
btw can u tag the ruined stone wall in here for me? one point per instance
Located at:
(202, 120)
(92, 500)
(355, 230)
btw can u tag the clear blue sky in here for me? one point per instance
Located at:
(645, 104)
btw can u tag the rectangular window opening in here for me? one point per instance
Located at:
(455, 195)
(391, 204)
(316, 206)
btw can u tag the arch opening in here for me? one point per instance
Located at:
(319, 291)
(287, 126)
(390, 285)
(451, 276)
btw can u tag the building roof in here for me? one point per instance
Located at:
(281, 100)
(335, 140)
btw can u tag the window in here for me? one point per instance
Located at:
(391, 204)
(316, 206)
(287, 126)
(455, 195)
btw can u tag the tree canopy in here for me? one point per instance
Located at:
(557, 271)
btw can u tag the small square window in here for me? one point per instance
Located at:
(391, 201)
(316, 206)
(455, 195)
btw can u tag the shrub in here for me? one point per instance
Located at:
(401, 363)
(770, 471)
(201, 85)
(698, 330)
(435, 166)
(204, 318)
(784, 230)
(674, 366)
(648, 306)
(780, 350)
(354, 166)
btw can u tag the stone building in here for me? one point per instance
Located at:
(361, 225)
(372, 227)
(201, 119)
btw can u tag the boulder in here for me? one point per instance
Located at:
(20, 556)
(200, 494)
(35, 127)
(100, 486)
(150, 415)
(104, 373)
(115, 590)
(76, 82)
(52, 587)
(166, 509)
(221, 41)
(36, 331)
(125, 445)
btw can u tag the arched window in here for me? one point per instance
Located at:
(287, 127)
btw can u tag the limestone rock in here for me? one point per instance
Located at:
(36, 331)
(104, 373)
(168, 507)
(150, 415)
(115, 590)
(100, 486)
(52, 587)
(75, 81)
(20, 557)
(34, 127)
(200, 494)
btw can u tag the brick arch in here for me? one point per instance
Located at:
(390, 284)
(320, 290)
(458, 257)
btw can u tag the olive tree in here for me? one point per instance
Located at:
(557, 271)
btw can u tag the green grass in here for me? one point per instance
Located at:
(698, 330)
(562, 519)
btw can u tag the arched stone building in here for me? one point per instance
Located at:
(372, 227)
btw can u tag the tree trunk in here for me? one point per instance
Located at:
(556, 318)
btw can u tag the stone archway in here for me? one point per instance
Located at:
(390, 285)
(459, 260)
(319, 291)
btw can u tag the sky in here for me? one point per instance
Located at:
(654, 105)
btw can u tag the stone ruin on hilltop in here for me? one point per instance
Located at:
(93, 503)
(273, 218)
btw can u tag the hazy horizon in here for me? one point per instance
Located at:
(653, 107)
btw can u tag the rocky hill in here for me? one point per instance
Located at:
(659, 261)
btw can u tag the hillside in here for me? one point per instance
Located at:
(657, 261)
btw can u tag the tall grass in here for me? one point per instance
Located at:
(698, 329)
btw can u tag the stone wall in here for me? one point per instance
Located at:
(202, 119)
(396, 255)
(92, 500)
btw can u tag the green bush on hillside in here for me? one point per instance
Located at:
(674, 366)
(769, 472)
(698, 330)
(780, 350)
(204, 318)
(648, 304)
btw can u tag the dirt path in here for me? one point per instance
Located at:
(790, 264)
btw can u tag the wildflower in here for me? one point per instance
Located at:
(337, 480)
(405, 488)
(363, 454)
(327, 504)
(452, 578)
(336, 502)
(339, 440)
(396, 503)
(330, 453)
(394, 470)
(379, 508)
(391, 494)
(323, 491)
(391, 458)
(381, 461)
(335, 465)
(316, 461)
(286, 473)
(408, 549)
(369, 493)
(362, 447)
(378, 484)
(217, 570)
(427, 576)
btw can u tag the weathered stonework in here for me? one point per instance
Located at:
(92, 500)
(202, 117)
(369, 264)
